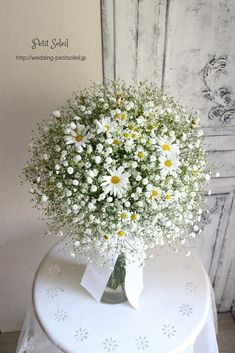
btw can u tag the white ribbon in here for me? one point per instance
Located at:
(96, 277)
(134, 283)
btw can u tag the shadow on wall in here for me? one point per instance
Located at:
(19, 258)
(21, 243)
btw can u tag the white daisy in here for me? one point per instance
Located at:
(153, 195)
(129, 145)
(116, 182)
(124, 215)
(77, 134)
(121, 233)
(140, 154)
(169, 196)
(105, 125)
(135, 217)
(169, 164)
(167, 145)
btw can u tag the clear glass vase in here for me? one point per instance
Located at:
(114, 292)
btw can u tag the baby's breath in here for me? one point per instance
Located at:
(122, 168)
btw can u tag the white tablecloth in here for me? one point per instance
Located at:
(176, 314)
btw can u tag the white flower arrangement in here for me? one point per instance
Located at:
(122, 168)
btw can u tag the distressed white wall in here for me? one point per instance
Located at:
(29, 91)
(186, 47)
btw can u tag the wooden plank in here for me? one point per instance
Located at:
(126, 39)
(229, 289)
(217, 131)
(224, 251)
(108, 40)
(220, 143)
(205, 243)
(221, 234)
(8, 342)
(151, 39)
(133, 35)
(221, 185)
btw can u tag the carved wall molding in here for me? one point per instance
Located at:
(223, 103)
(207, 215)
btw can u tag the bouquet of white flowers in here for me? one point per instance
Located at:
(122, 168)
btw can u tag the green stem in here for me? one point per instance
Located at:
(118, 275)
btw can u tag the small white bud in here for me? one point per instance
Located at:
(93, 188)
(89, 180)
(77, 158)
(70, 170)
(97, 159)
(56, 114)
(145, 181)
(44, 198)
(73, 125)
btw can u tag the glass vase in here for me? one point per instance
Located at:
(114, 292)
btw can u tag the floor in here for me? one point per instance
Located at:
(226, 337)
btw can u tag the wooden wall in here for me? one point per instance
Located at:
(187, 48)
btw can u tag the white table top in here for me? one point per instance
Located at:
(174, 307)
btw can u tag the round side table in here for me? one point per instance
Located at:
(175, 313)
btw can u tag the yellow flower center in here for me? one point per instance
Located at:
(154, 193)
(121, 101)
(121, 116)
(79, 138)
(106, 127)
(133, 136)
(126, 135)
(123, 215)
(150, 127)
(134, 217)
(166, 147)
(116, 142)
(168, 163)
(115, 179)
(168, 197)
(121, 233)
(106, 237)
(141, 154)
